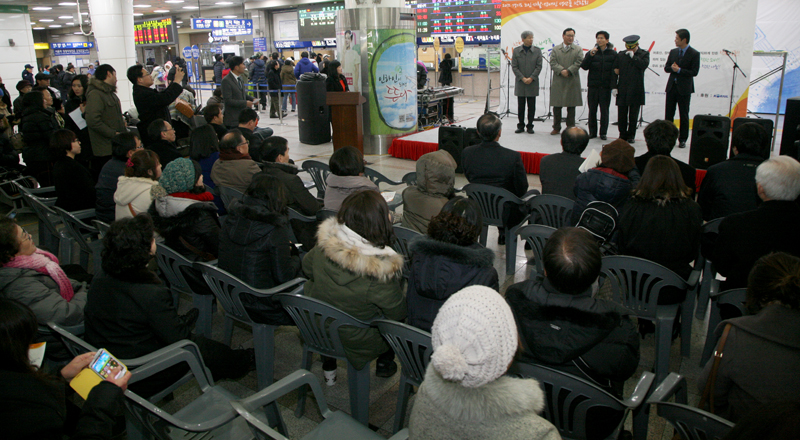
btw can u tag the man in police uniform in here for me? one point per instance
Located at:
(630, 66)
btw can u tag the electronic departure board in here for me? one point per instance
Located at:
(154, 32)
(317, 21)
(449, 17)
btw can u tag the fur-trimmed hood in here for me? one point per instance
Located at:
(465, 255)
(504, 397)
(383, 267)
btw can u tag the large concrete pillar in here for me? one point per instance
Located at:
(112, 24)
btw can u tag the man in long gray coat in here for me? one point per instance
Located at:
(565, 61)
(526, 63)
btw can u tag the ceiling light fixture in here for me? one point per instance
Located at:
(179, 22)
(223, 3)
(161, 11)
(190, 7)
(67, 4)
(55, 26)
(141, 6)
(38, 28)
(65, 17)
(41, 8)
(70, 23)
(228, 16)
(45, 20)
(174, 1)
(138, 14)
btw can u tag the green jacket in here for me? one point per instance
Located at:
(103, 116)
(364, 286)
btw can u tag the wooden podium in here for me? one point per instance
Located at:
(346, 118)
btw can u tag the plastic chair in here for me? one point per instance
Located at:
(210, 415)
(81, 233)
(319, 325)
(228, 195)
(536, 236)
(324, 214)
(570, 398)
(12, 196)
(173, 265)
(410, 179)
(51, 237)
(636, 284)
(319, 174)
(402, 238)
(229, 290)
(102, 228)
(709, 284)
(377, 178)
(335, 425)
(491, 200)
(690, 422)
(554, 211)
(294, 215)
(734, 298)
(413, 347)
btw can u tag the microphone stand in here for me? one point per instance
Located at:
(641, 108)
(508, 87)
(549, 114)
(733, 81)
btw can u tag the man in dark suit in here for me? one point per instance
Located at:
(162, 141)
(150, 103)
(234, 93)
(772, 227)
(660, 137)
(489, 163)
(558, 171)
(213, 115)
(683, 64)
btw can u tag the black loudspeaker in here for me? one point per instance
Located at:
(791, 131)
(471, 137)
(710, 136)
(451, 139)
(767, 124)
(312, 113)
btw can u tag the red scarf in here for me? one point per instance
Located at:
(202, 197)
(44, 262)
(233, 155)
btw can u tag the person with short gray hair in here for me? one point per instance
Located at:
(772, 227)
(526, 63)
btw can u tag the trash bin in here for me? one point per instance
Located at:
(312, 111)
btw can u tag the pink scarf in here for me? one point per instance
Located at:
(46, 263)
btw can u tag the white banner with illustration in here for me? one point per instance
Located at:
(714, 26)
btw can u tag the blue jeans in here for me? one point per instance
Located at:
(289, 94)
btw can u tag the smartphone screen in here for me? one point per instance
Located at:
(103, 364)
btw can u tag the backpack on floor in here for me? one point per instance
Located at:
(600, 219)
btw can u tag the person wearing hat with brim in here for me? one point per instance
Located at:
(27, 74)
(466, 394)
(611, 181)
(630, 66)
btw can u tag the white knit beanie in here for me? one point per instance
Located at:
(474, 337)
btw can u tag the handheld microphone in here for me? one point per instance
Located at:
(727, 51)
(503, 50)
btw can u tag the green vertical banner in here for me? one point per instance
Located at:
(393, 81)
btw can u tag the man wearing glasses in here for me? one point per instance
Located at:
(162, 141)
(235, 168)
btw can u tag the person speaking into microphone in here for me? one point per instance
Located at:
(526, 63)
(601, 80)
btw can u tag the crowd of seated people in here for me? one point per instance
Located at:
(448, 286)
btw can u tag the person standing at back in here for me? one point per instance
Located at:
(152, 104)
(103, 113)
(683, 64)
(304, 66)
(601, 80)
(565, 60)
(234, 92)
(526, 63)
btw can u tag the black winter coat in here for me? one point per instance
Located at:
(105, 207)
(197, 224)
(730, 187)
(74, 185)
(489, 163)
(600, 184)
(274, 80)
(32, 408)
(37, 125)
(332, 84)
(577, 334)
(601, 68)
(630, 83)
(688, 172)
(446, 69)
(219, 66)
(167, 151)
(152, 104)
(255, 247)
(298, 198)
(438, 270)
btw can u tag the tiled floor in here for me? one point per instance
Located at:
(383, 392)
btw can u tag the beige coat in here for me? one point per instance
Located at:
(236, 174)
(132, 192)
(566, 92)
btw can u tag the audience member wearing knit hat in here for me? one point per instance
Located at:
(465, 394)
(611, 181)
(184, 213)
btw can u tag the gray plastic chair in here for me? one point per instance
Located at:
(335, 425)
(102, 227)
(173, 265)
(413, 347)
(410, 179)
(208, 416)
(11, 195)
(229, 290)
(402, 238)
(51, 236)
(377, 178)
(709, 284)
(536, 236)
(319, 174)
(491, 200)
(324, 214)
(294, 215)
(81, 233)
(554, 211)
(319, 325)
(228, 195)
(636, 284)
(734, 298)
(690, 422)
(570, 398)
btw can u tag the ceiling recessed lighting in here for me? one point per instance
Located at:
(41, 8)
(55, 26)
(67, 4)
(228, 16)
(84, 13)
(190, 7)
(70, 23)
(179, 22)
(45, 20)
(179, 27)
(38, 28)
(77, 33)
(65, 17)
(174, 1)
(223, 3)
(161, 11)
(138, 14)
(141, 6)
